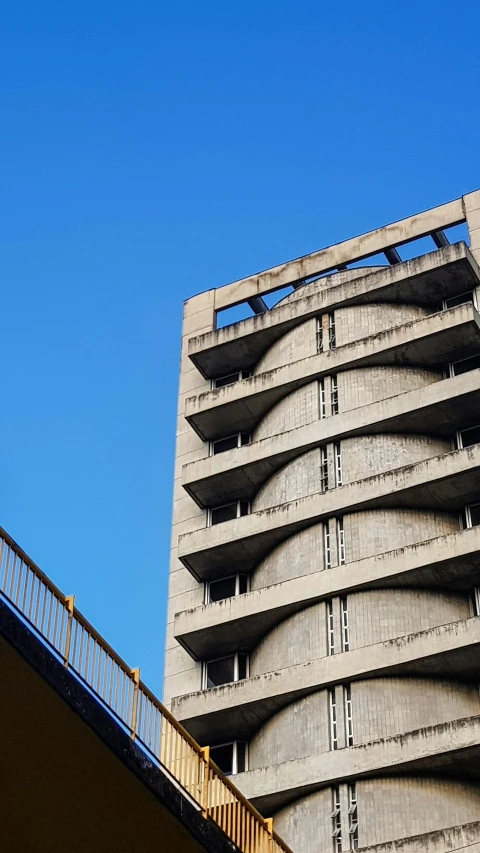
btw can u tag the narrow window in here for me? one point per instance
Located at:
(338, 465)
(347, 695)
(476, 601)
(334, 394)
(464, 365)
(336, 821)
(352, 816)
(467, 437)
(345, 626)
(323, 469)
(227, 512)
(230, 758)
(332, 705)
(321, 398)
(460, 299)
(471, 515)
(341, 542)
(224, 670)
(229, 443)
(319, 335)
(332, 340)
(225, 588)
(330, 631)
(230, 378)
(327, 549)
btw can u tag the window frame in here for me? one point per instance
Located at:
(236, 656)
(237, 576)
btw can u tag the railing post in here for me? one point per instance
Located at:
(205, 750)
(69, 601)
(136, 683)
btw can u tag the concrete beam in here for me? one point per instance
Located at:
(425, 281)
(432, 341)
(450, 563)
(356, 248)
(444, 482)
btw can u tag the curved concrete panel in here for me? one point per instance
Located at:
(388, 809)
(373, 616)
(366, 534)
(362, 456)
(299, 408)
(364, 385)
(359, 321)
(380, 708)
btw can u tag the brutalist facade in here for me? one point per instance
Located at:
(323, 631)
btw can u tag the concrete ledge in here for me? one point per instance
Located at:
(237, 710)
(444, 482)
(448, 840)
(440, 409)
(450, 563)
(425, 280)
(452, 747)
(432, 341)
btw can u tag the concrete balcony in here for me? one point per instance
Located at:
(440, 409)
(432, 341)
(450, 563)
(237, 710)
(451, 748)
(446, 482)
(422, 281)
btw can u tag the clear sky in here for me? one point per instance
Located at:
(150, 150)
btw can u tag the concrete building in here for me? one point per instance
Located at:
(323, 626)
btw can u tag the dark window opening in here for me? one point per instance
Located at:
(229, 757)
(231, 378)
(470, 436)
(220, 514)
(220, 671)
(225, 588)
(459, 299)
(464, 365)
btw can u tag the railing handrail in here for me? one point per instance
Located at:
(94, 665)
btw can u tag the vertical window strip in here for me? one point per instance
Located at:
(338, 465)
(332, 339)
(476, 601)
(345, 626)
(341, 542)
(347, 694)
(323, 469)
(332, 702)
(330, 630)
(319, 335)
(321, 398)
(352, 816)
(336, 821)
(327, 550)
(334, 395)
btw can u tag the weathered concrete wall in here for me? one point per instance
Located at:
(366, 534)
(361, 457)
(359, 321)
(388, 706)
(379, 615)
(299, 342)
(380, 708)
(388, 809)
(301, 407)
(373, 616)
(396, 808)
(368, 385)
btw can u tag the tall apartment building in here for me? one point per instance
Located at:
(323, 627)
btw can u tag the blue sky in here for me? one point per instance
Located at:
(149, 151)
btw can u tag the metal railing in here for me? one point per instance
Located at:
(84, 651)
